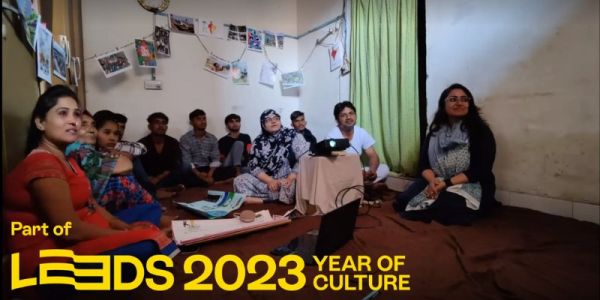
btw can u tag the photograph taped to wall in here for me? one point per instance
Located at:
(254, 39)
(239, 72)
(59, 58)
(30, 20)
(237, 33)
(146, 55)
(336, 56)
(233, 33)
(163, 42)
(267, 74)
(221, 31)
(292, 80)
(217, 66)
(44, 52)
(270, 39)
(182, 24)
(242, 33)
(212, 29)
(206, 27)
(114, 63)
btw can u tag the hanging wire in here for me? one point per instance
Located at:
(243, 52)
(203, 46)
(270, 61)
(116, 48)
(309, 56)
(340, 19)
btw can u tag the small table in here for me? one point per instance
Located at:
(320, 179)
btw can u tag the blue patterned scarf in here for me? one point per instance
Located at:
(445, 139)
(271, 150)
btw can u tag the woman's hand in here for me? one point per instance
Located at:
(286, 182)
(273, 185)
(117, 224)
(142, 225)
(439, 185)
(433, 188)
(430, 191)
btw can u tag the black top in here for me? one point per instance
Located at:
(168, 160)
(226, 142)
(309, 137)
(482, 149)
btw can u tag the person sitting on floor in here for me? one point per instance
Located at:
(48, 188)
(299, 124)
(234, 146)
(345, 116)
(271, 176)
(200, 154)
(97, 166)
(456, 163)
(121, 120)
(123, 191)
(162, 162)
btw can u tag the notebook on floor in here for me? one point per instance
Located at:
(336, 229)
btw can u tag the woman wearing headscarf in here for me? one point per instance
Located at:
(271, 176)
(456, 163)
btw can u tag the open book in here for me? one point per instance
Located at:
(188, 232)
(218, 205)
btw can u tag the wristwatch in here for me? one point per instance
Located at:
(448, 182)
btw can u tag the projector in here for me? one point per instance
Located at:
(327, 146)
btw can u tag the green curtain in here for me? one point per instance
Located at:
(384, 78)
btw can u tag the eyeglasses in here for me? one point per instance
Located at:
(454, 99)
(271, 119)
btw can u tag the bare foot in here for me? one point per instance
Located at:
(253, 200)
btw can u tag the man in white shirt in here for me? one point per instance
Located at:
(360, 140)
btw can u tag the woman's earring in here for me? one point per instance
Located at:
(38, 125)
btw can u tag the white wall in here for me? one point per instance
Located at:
(186, 86)
(322, 89)
(532, 66)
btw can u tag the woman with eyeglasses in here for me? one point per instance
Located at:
(457, 184)
(272, 177)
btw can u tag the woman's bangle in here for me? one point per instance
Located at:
(448, 182)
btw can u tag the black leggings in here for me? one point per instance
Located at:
(448, 208)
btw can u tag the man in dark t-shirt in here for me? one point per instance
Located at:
(163, 159)
(299, 124)
(235, 146)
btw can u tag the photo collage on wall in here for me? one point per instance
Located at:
(256, 40)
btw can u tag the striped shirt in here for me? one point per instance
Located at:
(133, 148)
(199, 152)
